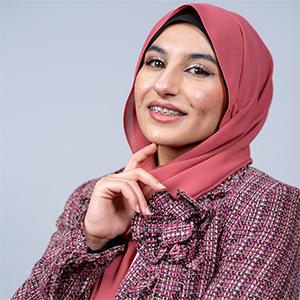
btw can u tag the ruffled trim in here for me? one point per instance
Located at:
(171, 234)
(177, 243)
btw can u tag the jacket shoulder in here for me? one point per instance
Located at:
(261, 182)
(261, 200)
(261, 204)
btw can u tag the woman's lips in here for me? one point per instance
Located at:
(165, 112)
(167, 105)
(163, 116)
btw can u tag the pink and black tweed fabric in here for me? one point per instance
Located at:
(239, 241)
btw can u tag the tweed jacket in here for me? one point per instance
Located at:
(241, 240)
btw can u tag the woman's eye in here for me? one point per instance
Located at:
(155, 63)
(199, 71)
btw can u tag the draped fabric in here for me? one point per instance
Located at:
(247, 68)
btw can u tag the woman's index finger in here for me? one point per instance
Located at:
(140, 156)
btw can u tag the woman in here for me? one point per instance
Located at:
(187, 217)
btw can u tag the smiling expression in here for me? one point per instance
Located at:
(179, 92)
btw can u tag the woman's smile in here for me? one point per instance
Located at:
(165, 112)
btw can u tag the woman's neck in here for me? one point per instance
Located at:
(165, 154)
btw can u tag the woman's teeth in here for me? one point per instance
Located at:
(165, 111)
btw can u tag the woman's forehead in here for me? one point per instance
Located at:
(182, 38)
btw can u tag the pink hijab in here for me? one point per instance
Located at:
(247, 68)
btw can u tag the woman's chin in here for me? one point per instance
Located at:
(163, 141)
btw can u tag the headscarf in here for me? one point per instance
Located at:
(246, 66)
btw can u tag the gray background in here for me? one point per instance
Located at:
(66, 71)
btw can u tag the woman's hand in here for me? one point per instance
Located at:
(116, 198)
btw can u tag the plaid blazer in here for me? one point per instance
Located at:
(241, 240)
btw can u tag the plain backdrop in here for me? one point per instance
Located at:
(66, 71)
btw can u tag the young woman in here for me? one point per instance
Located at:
(187, 218)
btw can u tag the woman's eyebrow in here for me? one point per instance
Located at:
(202, 56)
(188, 56)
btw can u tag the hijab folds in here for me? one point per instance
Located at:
(246, 65)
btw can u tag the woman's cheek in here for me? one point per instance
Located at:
(198, 99)
(139, 93)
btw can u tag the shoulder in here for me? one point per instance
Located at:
(261, 208)
(261, 200)
(257, 183)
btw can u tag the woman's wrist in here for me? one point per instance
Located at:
(95, 243)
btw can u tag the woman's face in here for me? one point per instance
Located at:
(179, 92)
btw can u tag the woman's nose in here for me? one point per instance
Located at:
(167, 83)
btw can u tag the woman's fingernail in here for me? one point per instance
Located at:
(148, 211)
(137, 208)
(162, 186)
